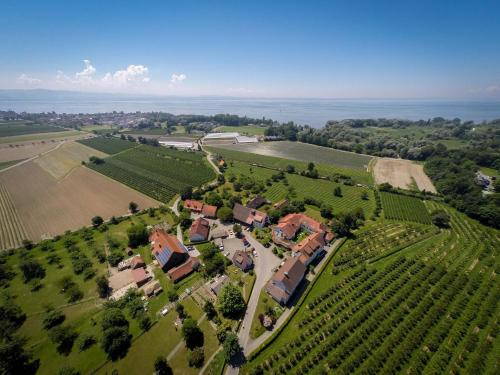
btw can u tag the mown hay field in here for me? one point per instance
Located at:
(46, 206)
(69, 155)
(234, 152)
(306, 152)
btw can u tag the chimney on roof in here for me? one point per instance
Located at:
(286, 274)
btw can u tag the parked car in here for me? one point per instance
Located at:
(255, 253)
(164, 311)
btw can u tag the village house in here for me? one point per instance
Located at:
(242, 260)
(189, 266)
(137, 262)
(192, 205)
(249, 216)
(309, 247)
(200, 228)
(218, 283)
(209, 211)
(286, 280)
(256, 202)
(140, 276)
(206, 210)
(167, 250)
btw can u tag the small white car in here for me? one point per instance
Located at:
(164, 311)
(255, 254)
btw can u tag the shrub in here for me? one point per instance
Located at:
(52, 318)
(196, 357)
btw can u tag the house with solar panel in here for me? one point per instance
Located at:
(167, 249)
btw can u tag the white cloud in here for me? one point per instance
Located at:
(28, 80)
(87, 74)
(177, 78)
(133, 73)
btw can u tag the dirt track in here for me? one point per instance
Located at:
(401, 173)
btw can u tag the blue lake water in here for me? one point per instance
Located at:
(314, 112)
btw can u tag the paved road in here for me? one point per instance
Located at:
(264, 263)
(249, 345)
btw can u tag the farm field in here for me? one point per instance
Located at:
(246, 130)
(15, 128)
(67, 135)
(156, 171)
(68, 156)
(306, 152)
(24, 151)
(436, 291)
(401, 207)
(5, 164)
(402, 174)
(360, 176)
(109, 146)
(46, 206)
(300, 187)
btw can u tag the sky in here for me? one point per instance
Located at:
(305, 49)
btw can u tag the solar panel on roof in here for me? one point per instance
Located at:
(163, 256)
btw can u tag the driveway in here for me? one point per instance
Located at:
(264, 263)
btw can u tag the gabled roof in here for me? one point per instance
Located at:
(248, 215)
(184, 269)
(137, 261)
(290, 274)
(139, 275)
(256, 202)
(209, 211)
(200, 227)
(242, 260)
(164, 245)
(309, 245)
(193, 205)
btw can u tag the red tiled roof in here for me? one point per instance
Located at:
(309, 245)
(247, 215)
(209, 211)
(139, 275)
(193, 205)
(137, 260)
(160, 239)
(184, 269)
(201, 227)
(288, 276)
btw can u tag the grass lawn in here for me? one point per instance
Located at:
(247, 130)
(180, 360)
(265, 303)
(487, 171)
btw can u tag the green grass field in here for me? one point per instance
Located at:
(435, 291)
(17, 128)
(109, 146)
(158, 172)
(246, 130)
(324, 169)
(306, 152)
(401, 207)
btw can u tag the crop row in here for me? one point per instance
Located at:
(401, 207)
(12, 230)
(107, 145)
